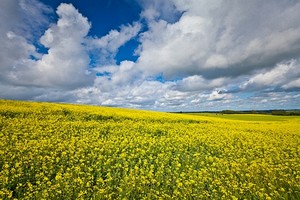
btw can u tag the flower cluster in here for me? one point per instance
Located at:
(58, 151)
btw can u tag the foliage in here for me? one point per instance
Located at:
(58, 151)
(286, 113)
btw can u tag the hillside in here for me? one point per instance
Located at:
(61, 151)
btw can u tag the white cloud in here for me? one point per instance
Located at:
(14, 32)
(159, 9)
(66, 63)
(216, 60)
(198, 83)
(174, 48)
(25, 18)
(34, 18)
(292, 84)
(283, 75)
(207, 54)
(237, 38)
(118, 75)
(143, 94)
(218, 95)
(115, 39)
(107, 46)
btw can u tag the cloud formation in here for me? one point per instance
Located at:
(284, 75)
(64, 65)
(221, 39)
(67, 61)
(106, 47)
(192, 55)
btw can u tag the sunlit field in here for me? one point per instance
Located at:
(248, 117)
(59, 151)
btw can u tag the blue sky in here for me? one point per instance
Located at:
(104, 15)
(177, 55)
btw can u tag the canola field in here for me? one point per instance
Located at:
(60, 151)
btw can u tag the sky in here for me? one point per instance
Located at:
(175, 55)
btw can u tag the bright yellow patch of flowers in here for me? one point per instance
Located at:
(57, 151)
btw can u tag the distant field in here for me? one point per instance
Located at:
(60, 151)
(248, 117)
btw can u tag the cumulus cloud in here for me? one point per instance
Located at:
(218, 95)
(284, 75)
(24, 17)
(67, 60)
(106, 47)
(198, 83)
(292, 84)
(65, 64)
(175, 47)
(37, 13)
(15, 30)
(192, 55)
(159, 9)
(222, 39)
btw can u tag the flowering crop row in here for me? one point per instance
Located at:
(57, 151)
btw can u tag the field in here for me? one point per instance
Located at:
(248, 117)
(60, 151)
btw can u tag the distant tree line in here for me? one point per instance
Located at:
(269, 112)
(273, 112)
(286, 113)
